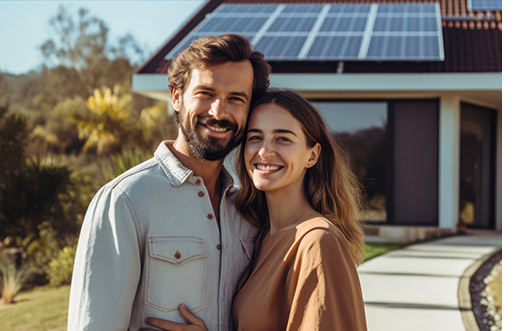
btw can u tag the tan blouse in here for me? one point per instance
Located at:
(304, 279)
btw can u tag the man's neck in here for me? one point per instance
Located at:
(209, 171)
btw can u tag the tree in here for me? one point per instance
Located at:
(82, 43)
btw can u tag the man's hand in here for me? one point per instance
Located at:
(195, 323)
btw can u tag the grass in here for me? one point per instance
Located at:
(46, 308)
(373, 250)
(43, 308)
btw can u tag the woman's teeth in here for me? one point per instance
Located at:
(267, 167)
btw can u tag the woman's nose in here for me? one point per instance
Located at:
(266, 150)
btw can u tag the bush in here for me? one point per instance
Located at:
(59, 271)
(11, 278)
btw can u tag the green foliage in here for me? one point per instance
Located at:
(59, 271)
(59, 133)
(109, 122)
(119, 163)
(33, 191)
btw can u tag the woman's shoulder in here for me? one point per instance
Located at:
(318, 230)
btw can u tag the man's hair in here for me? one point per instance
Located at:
(214, 50)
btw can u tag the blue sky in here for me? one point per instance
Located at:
(24, 25)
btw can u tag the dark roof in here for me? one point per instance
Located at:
(472, 42)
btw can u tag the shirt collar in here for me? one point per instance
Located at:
(177, 173)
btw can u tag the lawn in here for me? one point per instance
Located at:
(45, 308)
(373, 250)
(42, 308)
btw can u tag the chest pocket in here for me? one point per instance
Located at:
(176, 271)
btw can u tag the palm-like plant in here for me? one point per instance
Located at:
(109, 120)
(12, 279)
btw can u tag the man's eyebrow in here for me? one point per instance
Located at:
(203, 87)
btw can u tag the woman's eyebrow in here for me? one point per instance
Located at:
(284, 131)
(254, 130)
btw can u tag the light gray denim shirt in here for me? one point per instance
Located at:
(149, 242)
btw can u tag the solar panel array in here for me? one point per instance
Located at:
(294, 32)
(492, 5)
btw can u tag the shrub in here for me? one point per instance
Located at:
(12, 279)
(59, 271)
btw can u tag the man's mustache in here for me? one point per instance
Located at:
(222, 123)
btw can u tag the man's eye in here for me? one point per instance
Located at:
(205, 93)
(238, 99)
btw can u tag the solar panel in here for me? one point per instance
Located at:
(335, 47)
(492, 5)
(382, 32)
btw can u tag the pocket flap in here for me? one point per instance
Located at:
(176, 250)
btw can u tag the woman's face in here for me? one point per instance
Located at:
(276, 153)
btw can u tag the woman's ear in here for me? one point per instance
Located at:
(315, 154)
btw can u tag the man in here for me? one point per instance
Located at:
(166, 232)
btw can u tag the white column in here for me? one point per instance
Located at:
(498, 177)
(449, 162)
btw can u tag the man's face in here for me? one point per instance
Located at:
(214, 107)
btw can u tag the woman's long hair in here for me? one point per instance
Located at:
(331, 187)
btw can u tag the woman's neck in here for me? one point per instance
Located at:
(288, 207)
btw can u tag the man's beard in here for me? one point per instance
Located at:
(207, 148)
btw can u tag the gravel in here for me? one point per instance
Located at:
(483, 305)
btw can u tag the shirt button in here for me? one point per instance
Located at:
(201, 194)
(219, 247)
(178, 255)
(210, 216)
(197, 182)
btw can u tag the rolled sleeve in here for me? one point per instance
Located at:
(107, 266)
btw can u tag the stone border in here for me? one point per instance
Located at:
(464, 297)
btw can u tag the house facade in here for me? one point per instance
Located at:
(412, 89)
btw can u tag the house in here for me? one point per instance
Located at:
(411, 87)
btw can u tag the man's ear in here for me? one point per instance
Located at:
(175, 99)
(315, 154)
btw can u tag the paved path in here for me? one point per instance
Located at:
(416, 288)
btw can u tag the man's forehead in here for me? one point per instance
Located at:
(229, 71)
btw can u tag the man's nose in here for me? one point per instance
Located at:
(218, 109)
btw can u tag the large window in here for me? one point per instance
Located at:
(361, 128)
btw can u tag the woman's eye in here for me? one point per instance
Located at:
(284, 139)
(254, 138)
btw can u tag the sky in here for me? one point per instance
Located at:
(24, 25)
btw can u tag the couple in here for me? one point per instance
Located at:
(172, 245)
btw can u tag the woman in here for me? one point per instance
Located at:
(297, 187)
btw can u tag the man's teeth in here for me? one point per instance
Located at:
(267, 167)
(216, 129)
